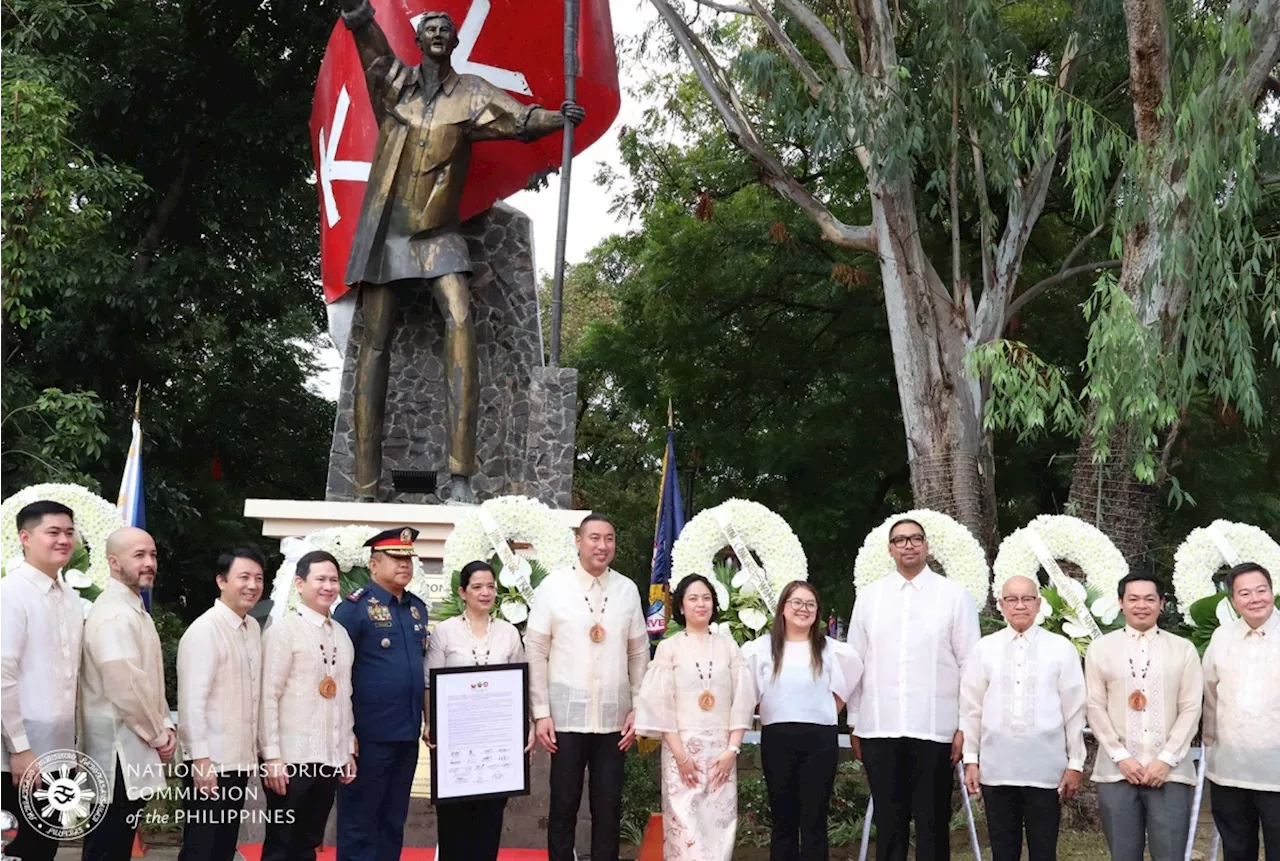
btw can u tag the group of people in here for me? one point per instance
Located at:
(332, 701)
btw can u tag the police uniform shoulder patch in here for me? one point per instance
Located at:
(355, 596)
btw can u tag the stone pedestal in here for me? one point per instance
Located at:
(527, 411)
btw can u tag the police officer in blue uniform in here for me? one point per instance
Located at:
(388, 626)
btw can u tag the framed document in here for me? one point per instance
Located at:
(480, 726)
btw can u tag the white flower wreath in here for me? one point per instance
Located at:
(1201, 554)
(95, 519)
(346, 543)
(763, 531)
(1073, 540)
(950, 543)
(521, 518)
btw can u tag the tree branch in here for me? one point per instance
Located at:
(773, 173)
(1052, 281)
(806, 18)
(725, 7)
(789, 50)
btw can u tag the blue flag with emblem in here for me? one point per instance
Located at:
(670, 522)
(130, 500)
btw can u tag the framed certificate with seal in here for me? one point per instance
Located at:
(480, 726)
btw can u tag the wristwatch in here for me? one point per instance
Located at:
(736, 750)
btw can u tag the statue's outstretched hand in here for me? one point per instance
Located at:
(573, 112)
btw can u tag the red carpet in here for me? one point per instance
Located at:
(253, 852)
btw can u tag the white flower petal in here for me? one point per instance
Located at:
(1074, 631)
(753, 618)
(76, 579)
(514, 611)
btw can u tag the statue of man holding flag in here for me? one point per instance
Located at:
(408, 233)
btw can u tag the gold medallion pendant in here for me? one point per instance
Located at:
(707, 701)
(328, 687)
(597, 633)
(1137, 701)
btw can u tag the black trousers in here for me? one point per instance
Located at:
(598, 754)
(1010, 809)
(210, 826)
(1238, 813)
(911, 779)
(30, 844)
(296, 820)
(799, 761)
(470, 830)
(112, 840)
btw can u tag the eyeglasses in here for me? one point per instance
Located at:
(901, 541)
(1020, 600)
(801, 604)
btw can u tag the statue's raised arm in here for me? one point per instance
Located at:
(376, 56)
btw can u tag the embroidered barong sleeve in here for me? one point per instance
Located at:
(195, 681)
(858, 641)
(656, 700)
(973, 691)
(1209, 727)
(1190, 698)
(13, 633)
(126, 685)
(277, 660)
(745, 697)
(1096, 708)
(537, 650)
(637, 647)
(1071, 690)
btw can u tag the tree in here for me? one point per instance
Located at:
(1199, 270)
(927, 98)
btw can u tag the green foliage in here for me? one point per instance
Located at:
(641, 791)
(729, 616)
(1027, 394)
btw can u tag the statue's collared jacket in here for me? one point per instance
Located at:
(409, 221)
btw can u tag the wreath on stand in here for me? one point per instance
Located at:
(768, 556)
(488, 532)
(1201, 597)
(1081, 612)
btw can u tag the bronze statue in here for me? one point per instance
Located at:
(408, 232)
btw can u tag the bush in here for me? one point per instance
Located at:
(641, 792)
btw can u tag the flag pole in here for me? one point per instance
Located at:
(566, 165)
(137, 403)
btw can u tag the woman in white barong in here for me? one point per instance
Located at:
(698, 697)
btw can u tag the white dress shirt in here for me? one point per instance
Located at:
(585, 686)
(914, 637)
(796, 694)
(1166, 669)
(1022, 708)
(219, 686)
(123, 709)
(298, 725)
(1242, 705)
(41, 627)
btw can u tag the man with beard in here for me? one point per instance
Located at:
(123, 709)
(41, 626)
(388, 628)
(914, 630)
(219, 687)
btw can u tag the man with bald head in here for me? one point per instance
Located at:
(123, 708)
(1022, 711)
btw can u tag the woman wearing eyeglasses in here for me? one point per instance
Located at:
(804, 678)
(698, 697)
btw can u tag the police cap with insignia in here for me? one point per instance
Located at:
(394, 542)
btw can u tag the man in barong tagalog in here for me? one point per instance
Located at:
(409, 230)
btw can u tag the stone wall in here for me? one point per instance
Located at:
(527, 411)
